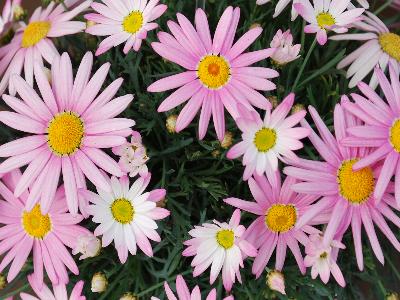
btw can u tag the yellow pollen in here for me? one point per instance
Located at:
(65, 133)
(122, 211)
(133, 22)
(390, 43)
(265, 139)
(323, 255)
(325, 19)
(213, 71)
(36, 224)
(226, 238)
(355, 186)
(281, 217)
(34, 33)
(395, 135)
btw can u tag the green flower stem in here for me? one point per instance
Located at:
(382, 8)
(310, 50)
(201, 4)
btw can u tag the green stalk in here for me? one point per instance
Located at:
(310, 50)
(201, 4)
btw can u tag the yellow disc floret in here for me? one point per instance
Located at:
(65, 133)
(281, 217)
(226, 238)
(395, 135)
(213, 71)
(133, 22)
(35, 224)
(390, 43)
(34, 33)
(325, 19)
(355, 186)
(265, 139)
(122, 210)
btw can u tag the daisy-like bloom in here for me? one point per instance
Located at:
(7, 17)
(133, 156)
(327, 15)
(218, 72)
(48, 235)
(33, 42)
(280, 6)
(124, 21)
(221, 246)
(59, 291)
(278, 209)
(322, 259)
(380, 47)
(127, 214)
(69, 125)
(266, 141)
(347, 195)
(184, 293)
(285, 50)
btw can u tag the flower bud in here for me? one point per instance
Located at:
(88, 245)
(171, 123)
(297, 107)
(128, 296)
(3, 282)
(276, 281)
(228, 140)
(99, 283)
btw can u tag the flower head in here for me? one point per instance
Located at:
(48, 235)
(266, 141)
(221, 246)
(285, 50)
(33, 42)
(322, 259)
(276, 281)
(68, 125)
(88, 245)
(7, 17)
(124, 22)
(59, 291)
(219, 73)
(127, 215)
(99, 283)
(279, 7)
(327, 15)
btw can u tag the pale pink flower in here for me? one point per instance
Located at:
(124, 22)
(276, 281)
(322, 259)
(218, 73)
(330, 15)
(88, 245)
(380, 48)
(280, 6)
(7, 18)
(69, 125)
(285, 50)
(133, 156)
(59, 291)
(221, 246)
(278, 209)
(127, 215)
(264, 142)
(48, 235)
(33, 42)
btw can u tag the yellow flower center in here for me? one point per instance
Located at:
(390, 43)
(281, 217)
(325, 19)
(122, 211)
(213, 71)
(395, 135)
(355, 186)
(323, 255)
(226, 238)
(65, 133)
(36, 224)
(34, 33)
(133, 22)
(265, 139)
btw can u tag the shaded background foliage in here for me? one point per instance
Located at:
(197, 175)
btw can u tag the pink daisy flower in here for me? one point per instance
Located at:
(221, 246)
(327, 15)
(184, 293)
(348, 195)
(322, 259)
(124, 22)
(380, 47)
(59, 291)
(218, 72)
(7, 16)
(69, 125)
(127, 214)
(266, 141)
(278, 209)
(33, 42)
(49, 235)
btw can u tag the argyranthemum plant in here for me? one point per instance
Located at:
(218, 73)
(69, 125)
